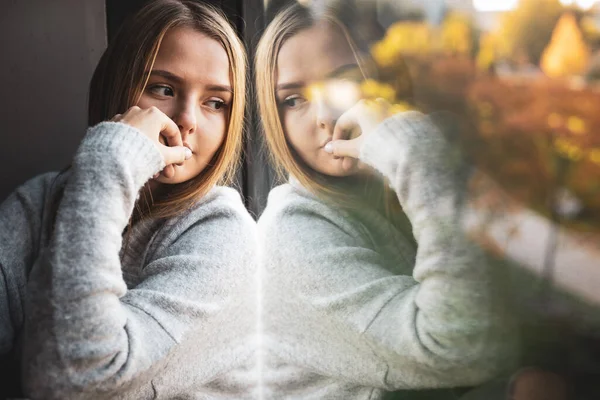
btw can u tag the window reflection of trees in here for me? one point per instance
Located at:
(525, 86)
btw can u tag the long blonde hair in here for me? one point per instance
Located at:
(341, 191)
(123, 71)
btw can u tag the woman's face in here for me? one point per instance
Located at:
(317, 80)
(190, 83)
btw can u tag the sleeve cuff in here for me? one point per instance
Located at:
(109, 143)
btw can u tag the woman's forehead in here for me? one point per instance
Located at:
(313, 53)
(193, 55)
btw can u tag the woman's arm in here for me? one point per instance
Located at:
(20, 231)
(440, 327)
(459, 316)
(87, 335)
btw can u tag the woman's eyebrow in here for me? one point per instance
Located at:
(219, 88)
(336, 72)
(177, 79)
(290, 85)
(167, 75)
(344, 68)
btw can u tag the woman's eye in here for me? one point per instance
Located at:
(216, 104)
(161, 90)
(293, 101)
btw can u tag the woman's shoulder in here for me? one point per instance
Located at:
(24, 217)
(39, 184)
(222, 200)
(220, 212)
(295, 210)
(37, 191)
(288, 200)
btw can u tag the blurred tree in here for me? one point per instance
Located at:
(527, 29)
(403, 38)
(457, 34)
(487, 52)
(593, 72)
(567, 54)
(590, 31)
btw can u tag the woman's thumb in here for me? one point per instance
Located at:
(176, 154)
(342, 148)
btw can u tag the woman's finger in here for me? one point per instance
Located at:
(344, 148)
(345, 125)
(175, 155)
(349, 164)
(168, 129)
(169, 171)
(162, 140)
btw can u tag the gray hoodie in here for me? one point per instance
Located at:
(170, 315)
(353, 308)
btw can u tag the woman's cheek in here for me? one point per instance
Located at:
(147, 101)
(216, 133)
(297, 119)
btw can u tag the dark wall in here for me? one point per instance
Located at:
(49, 50)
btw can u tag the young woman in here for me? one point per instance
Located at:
(370, 284)
(128, 274)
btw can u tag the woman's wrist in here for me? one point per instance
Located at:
(114, 145)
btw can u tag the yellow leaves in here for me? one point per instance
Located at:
(399, 108)
(384, 53)
(574, 152)
(594, 156)
(372, 89)
(576, 125)
(567, 54)
(487, 51)
(567, 149)
(526, 30)
(402, 37)
(457, 34)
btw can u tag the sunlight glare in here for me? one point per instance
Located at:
(585, 4)
(494, 5)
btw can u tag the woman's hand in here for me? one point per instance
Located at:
(353, 126)
(162, 131)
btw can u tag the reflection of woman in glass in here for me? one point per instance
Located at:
(355, 304)
(123, 276)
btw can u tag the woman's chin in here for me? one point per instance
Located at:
(181, 174)
(177, 177)
(336, 169)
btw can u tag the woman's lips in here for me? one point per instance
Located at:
(188, 146)
(185, 144)
(325, 143)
